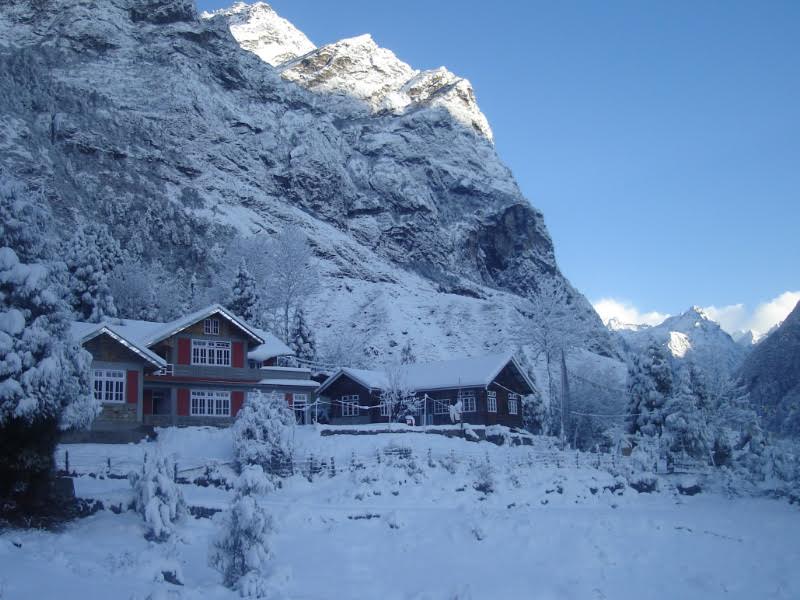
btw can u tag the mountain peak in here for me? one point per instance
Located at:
(356, 67)
(262, 31)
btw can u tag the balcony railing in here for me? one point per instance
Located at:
(168, 369)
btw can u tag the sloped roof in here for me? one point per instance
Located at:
(143, 334)
(271, 347)
(478, 371)
(83, 332)
(178, 325)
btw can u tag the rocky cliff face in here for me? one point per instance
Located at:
(771, 373)
(140, 114)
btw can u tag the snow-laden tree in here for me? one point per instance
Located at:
(240, 551)
(301, 339)
(133, 287)
(536, 417)
(548, 326)
(244, 300)
(739, 440)
(292, 278)
(398, 398)
(157, 497)
(91, 255)
(649, 387)
(407, 356)
(686, 428)
(45, 382)
(263, 433)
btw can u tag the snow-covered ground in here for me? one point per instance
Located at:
(418, 529)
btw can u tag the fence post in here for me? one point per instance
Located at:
(333, 467)
(66, 460)
(175, 472)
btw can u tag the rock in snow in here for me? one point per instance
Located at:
(146, 117)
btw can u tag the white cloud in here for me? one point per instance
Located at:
(732, 318)
(736, 317)
(625, 312)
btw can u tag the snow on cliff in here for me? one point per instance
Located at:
(140, 115)
(356, 67)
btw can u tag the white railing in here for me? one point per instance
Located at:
(168, 369)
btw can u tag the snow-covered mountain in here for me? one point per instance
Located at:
(354, 68)
(771, 373)
(691, 335)
(141, 115)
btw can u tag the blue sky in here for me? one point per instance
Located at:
(660, 139)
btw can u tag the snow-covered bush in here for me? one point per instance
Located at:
(484, 475)
(263, 433)
(45, 382)
(157, 497)
(241, 550)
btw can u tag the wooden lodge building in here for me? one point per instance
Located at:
(490, 389)
(195, 370)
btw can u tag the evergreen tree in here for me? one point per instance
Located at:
(685, 423)
(244, 300)
(241, 551)
(157, 497)
(45, 382)
(263, 433)
(302, 340)
(407, 355)
(649, 386)
(91, 256)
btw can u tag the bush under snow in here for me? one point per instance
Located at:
(157, 497)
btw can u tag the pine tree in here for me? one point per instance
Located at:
(302, 340)
(407, 355)
(241, 551)
(263, 433)
(91, 256)
(685, 422)
(244, 301)
(157, 497)
(649, 386)
(45, 381)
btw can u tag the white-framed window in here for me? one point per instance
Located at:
(210, 403)
(491, 401)
(349, 405)
(386, 409)
(211, 326)
(513, 404)
(441, 406)
(467, 398)
(211, 352)
(109, 385)
(299, 401)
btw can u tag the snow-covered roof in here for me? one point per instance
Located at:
(270, 348)
(83, 332)
(304, 383)
(477, 371)
(178, 325)
(143, 334)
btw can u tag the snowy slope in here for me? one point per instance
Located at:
(771, 373)
(690, 336)
(141, 115)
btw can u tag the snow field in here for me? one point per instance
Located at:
(407, 529)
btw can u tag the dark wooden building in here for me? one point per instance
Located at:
(490, 390)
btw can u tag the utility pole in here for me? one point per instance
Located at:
(564, 400)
